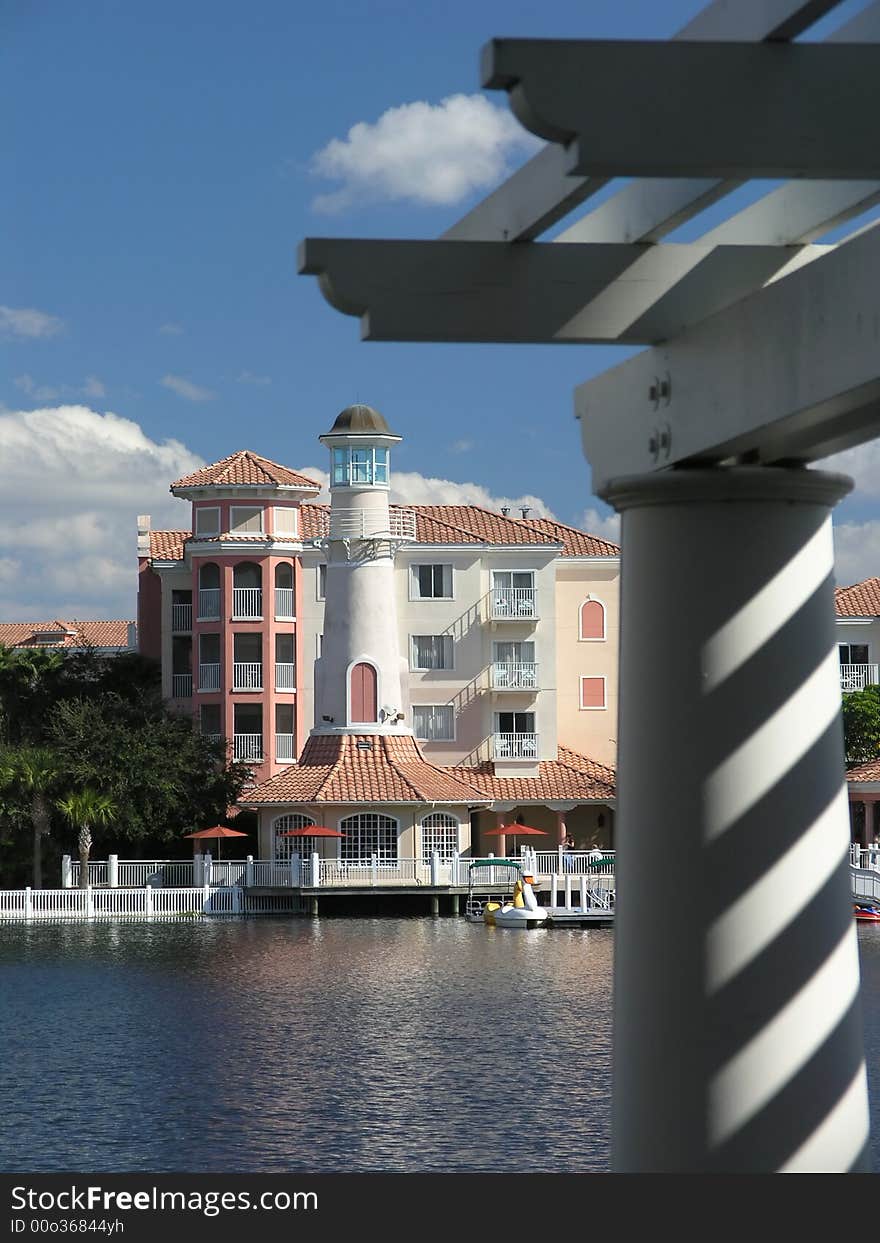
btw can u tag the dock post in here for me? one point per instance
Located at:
(583, 893)
(249, 871)
(435, 868)
(113, 871)
(149, 908)
(435, 905)
(28, 903)
(554, 886)
(65, 872)
(316, 875)
(313, 905)
(568, 891)
(454, 904)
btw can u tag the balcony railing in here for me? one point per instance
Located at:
(514, 676)
(209, 677)
(284, 602)
(857, 677)
(247, 676)
(284, 752)
(370, 524)
(515, 747)
(514, 603)
(285, 677)
(182, 685)
(248, 746)
(247, 602)
(181, 617)
(209, 603)
(212, 737)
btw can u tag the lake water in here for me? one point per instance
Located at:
(326, 1046)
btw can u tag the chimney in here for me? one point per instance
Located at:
(505, 510)
(524, 510)
(143, 535)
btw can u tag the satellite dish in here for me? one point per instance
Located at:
(388, 710)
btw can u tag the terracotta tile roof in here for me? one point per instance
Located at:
(576, 543)
(334, 769)
(569, 776)
(245, 467)
(859, 600)
(869, 771)
(167, 545)
(472, 524)
(65, 634)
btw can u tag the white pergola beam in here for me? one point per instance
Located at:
(541, 193)
(541, 293)
(727, 110)
(791, 372)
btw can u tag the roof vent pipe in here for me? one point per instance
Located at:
(524, 510)
(505, 509)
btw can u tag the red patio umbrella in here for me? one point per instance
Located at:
(218, 831)
(511, 830)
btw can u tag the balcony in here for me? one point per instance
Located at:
(513, 604)
(209, 677)
(857, 677)
(248, 746)
(397, 524)
(515, 747)
(247, 603)
(247, 676)
(284, 603)
(514, 676)
(181, 685)
(209, 604)
(212, 737)
(181, 617)
(285, 677)
(284, 752)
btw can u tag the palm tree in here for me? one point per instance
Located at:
(33, 771)
(88, 807)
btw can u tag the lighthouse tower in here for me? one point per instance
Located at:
(361, 681)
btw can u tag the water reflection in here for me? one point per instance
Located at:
(297, 1045)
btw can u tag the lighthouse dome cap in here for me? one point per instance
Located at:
(361, 420)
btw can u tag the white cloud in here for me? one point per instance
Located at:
(171, 330)
(26, 322)
(862, 463)
(856, 551)
(185, 388)
(73, 482)
(42, 392)
(605, 526)
(93, 387)
(248, 377)
(430, 154)
(461, 446)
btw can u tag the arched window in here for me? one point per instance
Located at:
(209, 592)
(283, 847)
(368, 834)
(284, 574)
(247, 574)
(592, 620)
(364, 693)
(284, 589)
(440, 833)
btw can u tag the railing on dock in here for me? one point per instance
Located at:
(144, 903)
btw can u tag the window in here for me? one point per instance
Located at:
(283, 847)
(440, 833)
(369, 834)
(207, 521)
(432, 651)
(853, 653)
(285, 520)
(209, 720)
(592, 620)
(434, 722)
(431, 582)
(592, 693)
(322, 581)
(513, 593)
(515, 722)
(245, 518)
(359, 467)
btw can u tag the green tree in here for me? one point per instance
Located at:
(86, 810)
(861, 725)
(30, 680)
(32, 774)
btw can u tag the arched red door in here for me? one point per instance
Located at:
(364, 700)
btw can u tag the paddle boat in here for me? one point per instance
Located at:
(866, 912)
(521, 912)
(518, 908)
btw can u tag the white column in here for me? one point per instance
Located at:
(737, 1033)
(435, 868)
(149, 904)
(316, 871)
(207, 867)
(113, 871)
(249, 871)
(583, 886)
(295, 869)
(28, 902)
(65, 872)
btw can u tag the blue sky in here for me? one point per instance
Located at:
(162, 167)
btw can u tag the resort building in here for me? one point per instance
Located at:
(107, 638)
(858, 633)
(412, 676)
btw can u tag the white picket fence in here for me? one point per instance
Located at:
(145, 903)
